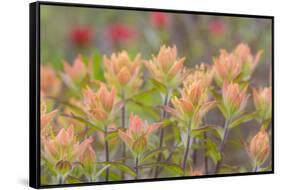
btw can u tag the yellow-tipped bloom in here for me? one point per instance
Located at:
(201, 73)
(63, 149)
(122, 72)
(259, 147)
(263, 103)
(137, 134)
(235, 66)
(234, 99)
(166, 68)
(100, 104)
(194, 102)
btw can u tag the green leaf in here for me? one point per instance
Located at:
(199, 131)
(97, 66)
(121, 167)
(73, 107)
(161, 87)
(174, 168)
(100, 172)
(149, 109)
(144, 93)
(215, 94)
(212, 151)
(152, 153)
(242, 119)
(223, 110)
(82, 120)
(85, 81)
(112, 134)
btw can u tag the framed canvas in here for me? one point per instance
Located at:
(122, 94)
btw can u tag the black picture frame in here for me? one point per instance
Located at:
(34, 92)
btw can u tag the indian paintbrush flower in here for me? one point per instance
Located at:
(166, 68)
(45, 117)
(136, 136)
(235, 66)
(217, 27)
(88, 159)
(263, 103)
(81, 36)
(120, 33)
(234, 99)
(78, 70)
(159, 19)
(194, 102)
(49, 82)
(63, 149)
(100, 105)
(259, 147)
(122, 72)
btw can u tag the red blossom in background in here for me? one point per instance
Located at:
(217, 27)
(119, 32)
(81, 35)
(159, 19)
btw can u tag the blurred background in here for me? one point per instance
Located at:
(68, 31)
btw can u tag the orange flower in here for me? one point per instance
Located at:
(78, 70)
(201, 73)
(63, 148)
(194, 102)
(234, 99)
(259, 147)
(263, 102)
(88, 159)
(137, 134)
(237, 65)
(122, 72)
(248, 61)
(49, 83)
(227, 67)
(46, 117)
(99, 105)
(166, 68)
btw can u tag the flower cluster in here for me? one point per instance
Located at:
(123, 73)
(166, 67)
(235, 66)
(141, 135)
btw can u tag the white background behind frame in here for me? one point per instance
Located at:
(14, 95)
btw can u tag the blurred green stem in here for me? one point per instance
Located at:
(106, 151)
(137, 166)
(206, 165)
(60, 179)
(187, 150)
(221, 146)
(123, 120)
(164, 113)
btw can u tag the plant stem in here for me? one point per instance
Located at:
(225, 134)
(255, 168)
(137, 169)
(206, 157)
(163, 116)
(187, 148)
(106, 151)
(123, 120)
(60, 179)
